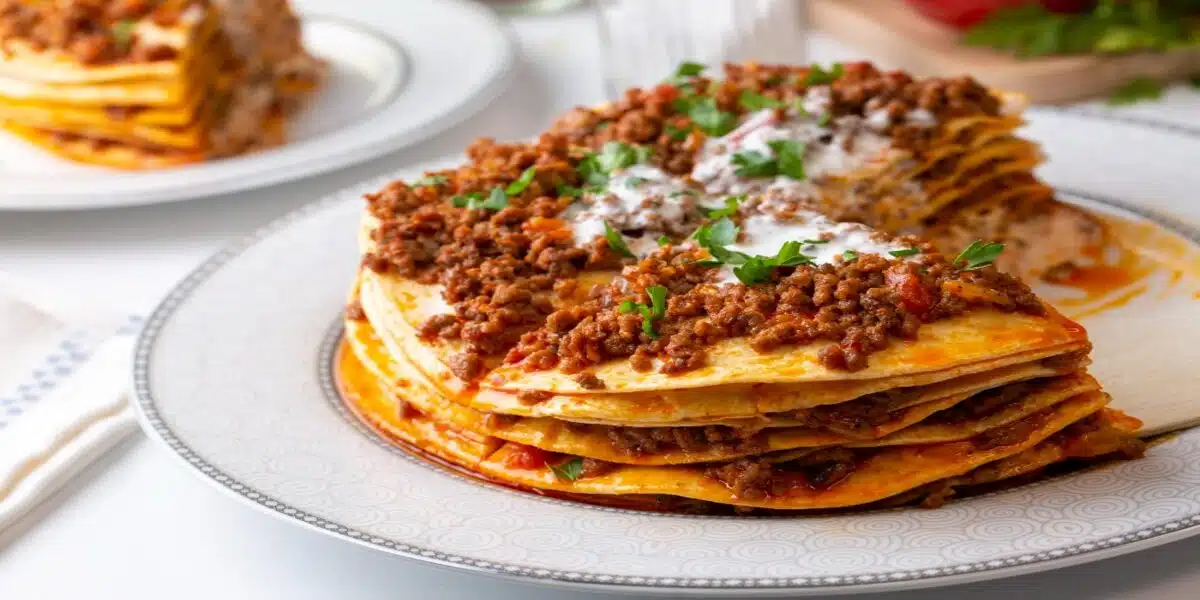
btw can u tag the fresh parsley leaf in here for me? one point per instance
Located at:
(850, 256)
(721, 233)
(731, 208)
(819, 76)
(122, 32)
(754, 101)
(675, 133)
(616, 241)
(978, 255)
(657, 309)
(663, 241)
(496, 200)
(825, 119)
(710, 119)
(1030, 30)
(774, 80)
(757, 269)
(789, 158)
(904, 252)
(596, 167)
(753, 163)
(430, 180)
(687, 70)
(658, 301)
(1142, 88)
(570, 470)
(569, 191)
(521, 183)
(468, 200)
(814, 242)
(602, 125)
(688, 192)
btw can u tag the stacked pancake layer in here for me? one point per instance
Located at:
(144, 88)
(591, 315)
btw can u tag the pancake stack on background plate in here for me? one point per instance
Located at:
(661, 313)
(153, 84)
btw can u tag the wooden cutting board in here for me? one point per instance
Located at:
(890, 32)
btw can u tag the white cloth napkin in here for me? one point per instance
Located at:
(64, 368)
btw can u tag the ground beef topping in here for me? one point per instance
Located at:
(96, 31)
(642, 441)
(607, 186)
(758, 478)
(856, 307)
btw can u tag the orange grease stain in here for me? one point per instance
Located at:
(1115, 302)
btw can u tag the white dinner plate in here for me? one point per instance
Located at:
(232, 374)
(400, 72)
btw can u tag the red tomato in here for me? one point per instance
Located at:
(528, 457)
(965, 13)
(909, 290)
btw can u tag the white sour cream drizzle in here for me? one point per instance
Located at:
(825, 148)
(643, 197)
(640, 197)
(764, 235)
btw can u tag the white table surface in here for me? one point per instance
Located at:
(140, 526)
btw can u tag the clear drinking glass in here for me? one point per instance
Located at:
(642, 41)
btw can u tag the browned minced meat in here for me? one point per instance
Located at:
(756, 478)
(354, 311)
(642, 115)
(1013, 433)
(589, 381)
(640, 441)
(857, 306)
(594, 468)
(531, 397)
(86, 29)
(501, 270)
(862, 413)
(987, 403)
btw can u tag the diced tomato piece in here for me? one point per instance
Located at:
(528, 457)
(908, 288)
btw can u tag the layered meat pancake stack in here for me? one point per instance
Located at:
(149, 84)
(934, 157)
(574, 317)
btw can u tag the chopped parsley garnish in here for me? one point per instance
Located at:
(569, 191)
(815, 242)
(758, 269)
(1142, 88)
(122, 32)
(521, 183)
(731, 208)
(675, 133)
(684, 193)
(710, 119)
(602, 125)
(429, 180)
(788, 160)
(825, 119)
(774, 80)
(496, 200)
(754, 101)
(570, 470)
(635, 181)
(596, 167)
(656, 310)
(754, 164)
(686, 71)
(748, 269)
(978, 255)
(904, 252)
(616, 241)
(850, 256)
(663, 241)
(819, 76)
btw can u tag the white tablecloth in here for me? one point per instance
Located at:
(140, 527)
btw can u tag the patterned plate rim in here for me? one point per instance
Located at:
(1031, 562)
